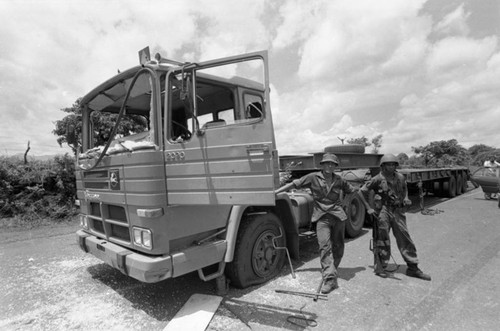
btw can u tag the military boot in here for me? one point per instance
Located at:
(414, 271)
(329, 285)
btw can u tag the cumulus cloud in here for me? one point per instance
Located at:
(339, 68)
(455, 23)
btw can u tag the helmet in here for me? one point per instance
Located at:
(389, 158)
(329, 157)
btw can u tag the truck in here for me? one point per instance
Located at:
(190, 187)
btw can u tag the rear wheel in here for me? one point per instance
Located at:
(450, 187)
(256, 260)
(460, 184)
(465, 183)
(355, 210)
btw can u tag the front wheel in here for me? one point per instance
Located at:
(256, 258)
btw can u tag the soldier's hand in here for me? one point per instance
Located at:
(407, 202)
(370, 211)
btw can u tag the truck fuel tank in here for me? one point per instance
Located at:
(302, 207)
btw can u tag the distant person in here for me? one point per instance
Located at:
(391, 188)
(491, 163)
(328, 215)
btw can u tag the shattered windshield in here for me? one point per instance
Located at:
(135, 128)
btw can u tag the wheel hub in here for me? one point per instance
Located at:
(264, 254)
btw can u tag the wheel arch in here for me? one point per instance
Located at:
(283, 210)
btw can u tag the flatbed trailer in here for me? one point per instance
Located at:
(440, 181)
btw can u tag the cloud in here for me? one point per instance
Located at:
(54, 52)
(455, 23)
(460, 55)
(339, 68)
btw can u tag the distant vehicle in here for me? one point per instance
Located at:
(489, 180)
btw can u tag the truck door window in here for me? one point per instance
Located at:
(227, 94)
(253, 106)
(179, 110)
(247, 82)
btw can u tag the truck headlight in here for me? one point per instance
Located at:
(142, 237)
(84, 223)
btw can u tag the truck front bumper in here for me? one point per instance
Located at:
(149, 269)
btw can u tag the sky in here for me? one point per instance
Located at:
(413, 71)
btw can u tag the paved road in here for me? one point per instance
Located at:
(49, 284)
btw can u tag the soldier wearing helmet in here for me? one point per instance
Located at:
(391, 191)
(328, 215)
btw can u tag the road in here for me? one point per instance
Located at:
(48, 283)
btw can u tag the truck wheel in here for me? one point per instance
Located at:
(355, 210)
(348, 148)
(450, 187)
(256, 260)
(460, 184)
(465, 184)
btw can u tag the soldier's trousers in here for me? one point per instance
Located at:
(330, 235)
(395, 219)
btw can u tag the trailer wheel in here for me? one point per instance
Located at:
(256, 260)
(460, 184)
(450, 187)
(465, 184)
(355, 210)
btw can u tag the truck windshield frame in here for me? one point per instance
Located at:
(142, 109)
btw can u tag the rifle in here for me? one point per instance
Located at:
(374, 247)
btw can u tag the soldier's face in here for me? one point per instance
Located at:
(390, 167)
(328, 167)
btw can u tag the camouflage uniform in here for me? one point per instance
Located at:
(392, 191)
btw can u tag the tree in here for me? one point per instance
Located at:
(73, 119)
(377, 143)
(442, 153)
(359, 141)
(103, 124)
(403, 158)
(478, 152)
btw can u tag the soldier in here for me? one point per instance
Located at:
(328, 215)
(391, 190)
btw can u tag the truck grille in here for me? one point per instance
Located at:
(109, 220)
(96, 180)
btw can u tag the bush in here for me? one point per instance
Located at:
(38, 192)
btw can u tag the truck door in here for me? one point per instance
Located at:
(219, 139)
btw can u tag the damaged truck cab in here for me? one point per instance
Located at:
(193, 185)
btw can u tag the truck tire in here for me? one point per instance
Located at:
(465, 184)
(355, 210)
(450, 187)
(349, 148)
(460, 184)
(256, 260)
